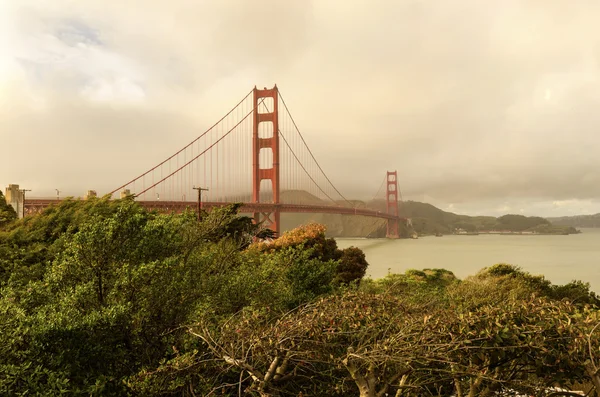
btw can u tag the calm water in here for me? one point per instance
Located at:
(559, 258)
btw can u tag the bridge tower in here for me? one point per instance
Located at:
(391, 198)
(260, 171)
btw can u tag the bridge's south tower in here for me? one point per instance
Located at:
(391, 197)
(262, 140)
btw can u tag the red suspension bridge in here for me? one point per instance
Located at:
(255, 155)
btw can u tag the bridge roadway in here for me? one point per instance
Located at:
(34, 206)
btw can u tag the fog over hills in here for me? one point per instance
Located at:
(577, 221)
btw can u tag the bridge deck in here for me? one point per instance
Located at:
(33, 206)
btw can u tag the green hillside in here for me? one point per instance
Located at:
(426, 220)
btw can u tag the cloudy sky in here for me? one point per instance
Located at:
(483, 107)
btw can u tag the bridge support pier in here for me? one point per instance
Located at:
(393, 229)
(391, 198)
(270, 220)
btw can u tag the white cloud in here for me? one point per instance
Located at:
(113, 91)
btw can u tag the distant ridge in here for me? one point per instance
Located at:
(426, 220)
(577, 220)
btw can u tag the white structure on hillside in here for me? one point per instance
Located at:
(16, 198)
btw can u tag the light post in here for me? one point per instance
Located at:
(57, 194)
(200, 189)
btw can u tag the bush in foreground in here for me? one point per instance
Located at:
(105, 298)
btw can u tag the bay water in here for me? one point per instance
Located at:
(559, 258)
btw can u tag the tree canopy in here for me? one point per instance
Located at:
(7, 212)
(101, 297)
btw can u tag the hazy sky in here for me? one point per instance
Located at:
(483, 107)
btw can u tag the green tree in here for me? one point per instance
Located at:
(386, 345)
(351, 262)
(519, 222)
(352, 266)
(31, 244)
(511, 282)
(7, 212)
(110, 301)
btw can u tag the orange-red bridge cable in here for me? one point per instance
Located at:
(200, 154)
(185, 147)
(309, 151)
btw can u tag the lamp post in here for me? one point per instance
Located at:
(23, 191)
(200, 189)
(57, 194)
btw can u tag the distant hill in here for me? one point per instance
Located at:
(426, 220)
(337, 225)
(577, 221)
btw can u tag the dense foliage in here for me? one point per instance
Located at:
(101, 297)
(7, 212)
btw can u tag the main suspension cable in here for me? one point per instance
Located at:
(185, 147)
(310, 152)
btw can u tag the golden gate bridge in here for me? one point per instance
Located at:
(254, 155)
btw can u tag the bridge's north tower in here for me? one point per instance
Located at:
(260, 171)
(391, 198)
